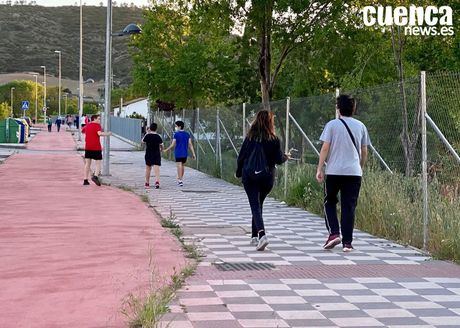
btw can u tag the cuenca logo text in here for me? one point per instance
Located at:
(415, 20)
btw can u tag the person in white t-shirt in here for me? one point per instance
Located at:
(344, 149)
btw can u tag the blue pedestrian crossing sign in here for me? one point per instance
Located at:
(25, 105)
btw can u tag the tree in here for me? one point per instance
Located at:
(187, 55)
(23, 90)
(283, 24)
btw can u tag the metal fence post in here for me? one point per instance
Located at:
(424, 159)
(218, 149)
(198, 138)
(286, 144)
(337, 94)
(244, 120)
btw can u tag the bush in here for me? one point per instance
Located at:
(4, 110)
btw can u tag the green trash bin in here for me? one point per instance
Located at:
(9, 131)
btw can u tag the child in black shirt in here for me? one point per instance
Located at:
(154, 147)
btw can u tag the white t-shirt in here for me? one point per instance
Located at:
(343, 158)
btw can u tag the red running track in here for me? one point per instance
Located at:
(70, 254)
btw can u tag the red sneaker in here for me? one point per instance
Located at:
(332, 241)
(147, 185)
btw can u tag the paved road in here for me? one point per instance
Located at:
(294, 283)
(70, 254)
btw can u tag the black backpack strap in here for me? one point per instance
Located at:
(351, 136)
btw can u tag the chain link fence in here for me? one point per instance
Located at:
(393, 201)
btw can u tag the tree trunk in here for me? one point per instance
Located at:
(265, 31)
(408, 144)
(265, 95)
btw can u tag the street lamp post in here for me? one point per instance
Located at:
(59, 106)
(44, 93)
(128, 30)
(80, 75)
(36, 97)
(11, 99)
(108, 89)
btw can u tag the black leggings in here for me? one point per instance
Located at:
(257, 192)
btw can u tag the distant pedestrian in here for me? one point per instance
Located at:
(69, 121)
(58, 124)
(77, 122)
(83, 121)
(154, 147)
(143, 127)
(93, 148)
(345, 142)
(260, 152)
(49, 121)
(181, 143)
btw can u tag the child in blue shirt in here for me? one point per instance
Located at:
(181, 143)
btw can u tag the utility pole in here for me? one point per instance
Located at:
(44, 93)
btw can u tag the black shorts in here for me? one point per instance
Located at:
(181, 160)
(153, 160)
(93, 154)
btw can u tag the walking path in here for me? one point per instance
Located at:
(294, 283)
(70, 254)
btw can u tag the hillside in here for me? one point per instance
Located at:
(30, 34)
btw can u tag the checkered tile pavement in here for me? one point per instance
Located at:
(215, 216)
(296, 236)
(345, 302)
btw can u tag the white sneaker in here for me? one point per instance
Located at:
(263, 242)
(254, 241)
(180, 183)
(347, 248)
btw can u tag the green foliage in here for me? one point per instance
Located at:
(188, 56)
(23, 90)
(390, 206)
(304, 191)
(5, 110)
(127, 93)
(91, 108)
(136, 115)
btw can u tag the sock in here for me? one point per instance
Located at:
(261, 233)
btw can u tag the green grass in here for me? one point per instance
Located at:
(147, 312)
(126, 188)
(389, 206)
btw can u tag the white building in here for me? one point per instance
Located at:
(137, 106)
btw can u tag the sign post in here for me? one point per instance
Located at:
(24, 107)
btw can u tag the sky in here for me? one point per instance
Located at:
(87, 2)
